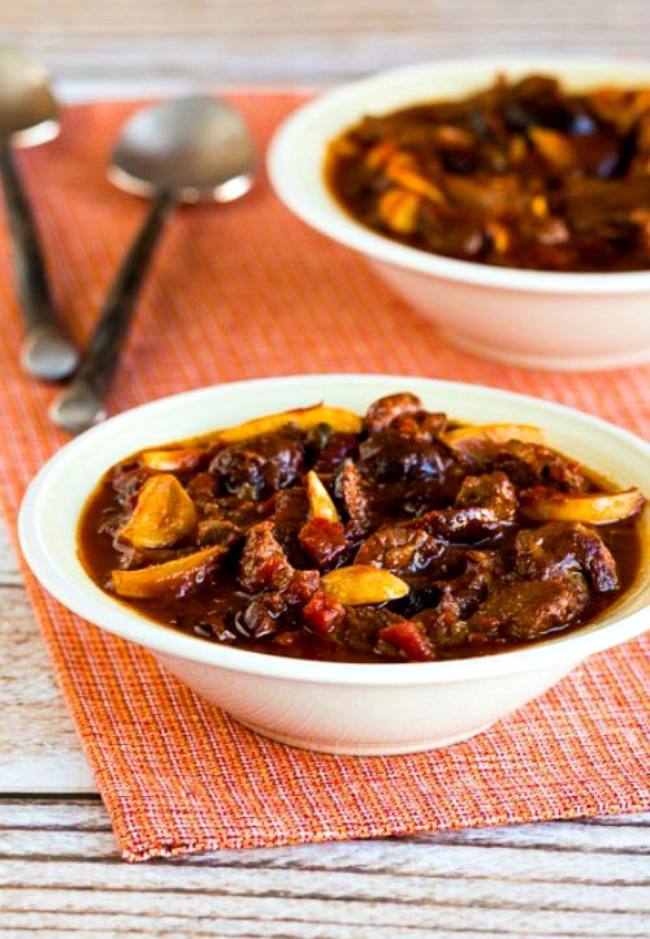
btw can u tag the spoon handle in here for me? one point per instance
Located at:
(46, 352)
(82, 403)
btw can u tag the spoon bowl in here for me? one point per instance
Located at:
(28, 116)
(197, 147)
(188, 150)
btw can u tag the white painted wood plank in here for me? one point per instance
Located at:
(59, 872)
(323, 40)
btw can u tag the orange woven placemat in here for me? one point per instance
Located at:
(244, 291)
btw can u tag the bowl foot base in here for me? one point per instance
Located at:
(345, 748)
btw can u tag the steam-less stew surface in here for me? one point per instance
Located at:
(399, 536)
(520, 175)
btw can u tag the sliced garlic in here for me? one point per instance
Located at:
(320, 501)
(166, 580)
(340, 420)
(360, 584)
(172, 461)
(543, 504)
(164, 514)
(471, 437)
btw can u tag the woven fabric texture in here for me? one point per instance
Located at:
(244, 291)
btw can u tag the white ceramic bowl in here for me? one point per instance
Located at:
(340, 708)
(529, 318)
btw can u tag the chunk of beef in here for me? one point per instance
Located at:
(203, 488)
(323, 541)
(400, 550)
(263, 564)
(360, 630)
(352, 491)
(530, 464)
(444, 624)
(422, 426)
(461, 525)
(562, 548)
(127, 481)
(491, 491)
(384, 411)
(339, 448)
(530, 609)
(459, 597)
(219, 531)
(255, 468)
(388, 456)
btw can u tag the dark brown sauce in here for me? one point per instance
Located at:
(521, 175)
(217, 610)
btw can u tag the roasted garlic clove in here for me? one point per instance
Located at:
(164, 514)
(555, 147)
(471, 437)
(340, 420)
(542, 504)
(160, 581)
(172, 461)
(361, 584)
(399, 210)
(320, 501)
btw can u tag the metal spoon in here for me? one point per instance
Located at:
(190, 150)
(27, 117)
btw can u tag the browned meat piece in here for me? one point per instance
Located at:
(444, 624)
(360, 630)
(356, 502)
(400, 550)
(384, 411)
(484, 570)
(491, 491)
(255, 468)
(530, 464)
(203, 487)
(539, 101)
(219, 531)
(562, 548)
(388, 456)
(423, 426)
(323, 541)
(127, 480)
(263, 564)
(462, 525)
(529, 609)
(339, 448)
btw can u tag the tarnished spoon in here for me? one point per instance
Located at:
(188, 150)
(27, 117)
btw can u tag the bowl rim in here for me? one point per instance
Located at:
(98, 608)
(297, 189)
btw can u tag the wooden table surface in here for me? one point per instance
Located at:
(60, 874)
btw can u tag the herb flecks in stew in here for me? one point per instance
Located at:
(401, 536)
(521, 175)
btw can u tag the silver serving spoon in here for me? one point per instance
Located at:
(190, 150)
(28, 116)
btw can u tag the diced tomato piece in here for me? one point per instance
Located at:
(323, 613)
(410, 638)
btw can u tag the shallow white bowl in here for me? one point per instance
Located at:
(339, 708)
(529, 318)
